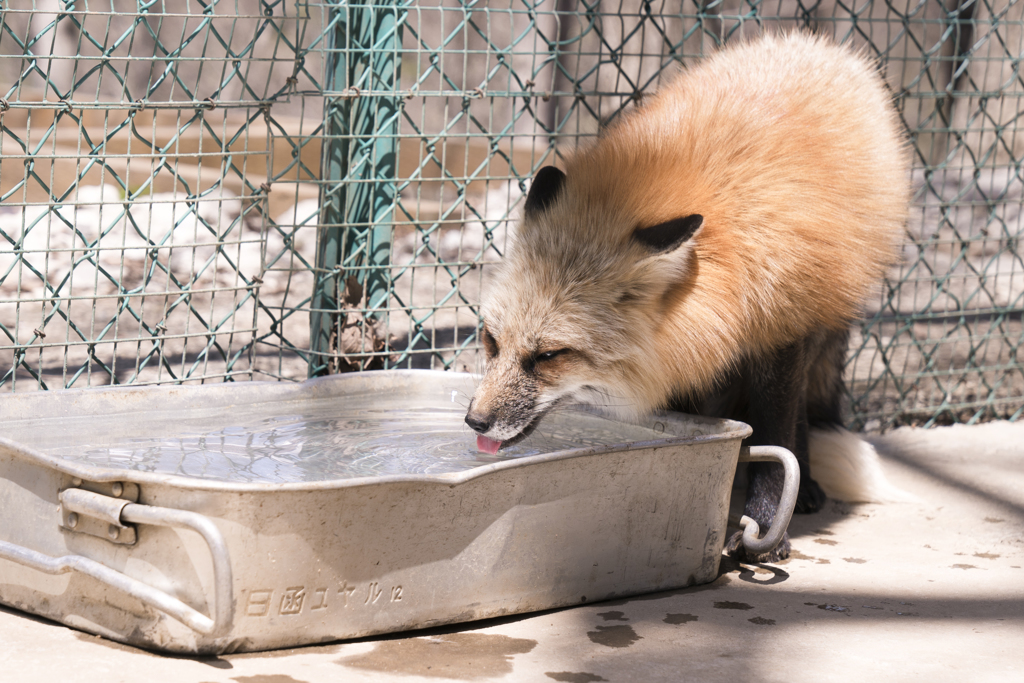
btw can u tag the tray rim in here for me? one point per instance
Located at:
(281, 391)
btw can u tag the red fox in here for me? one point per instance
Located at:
(708, 253)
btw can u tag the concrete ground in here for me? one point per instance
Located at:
(914, 591)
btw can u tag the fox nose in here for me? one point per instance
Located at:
(478, 423)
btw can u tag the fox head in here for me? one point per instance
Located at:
(573, 312)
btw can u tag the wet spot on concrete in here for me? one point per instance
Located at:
(994, 520)
(761, 621)
(462, 656)
(854, 560)
(964, 566)
(797, 555)
(570, 677)
(614, 636)
(612, 616)
(726, 604)
(268, 678)
(825, 541)
(987, 556)
(679, 618)
(834, 608)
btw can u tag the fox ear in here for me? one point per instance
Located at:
(547, 184)
(668, 236)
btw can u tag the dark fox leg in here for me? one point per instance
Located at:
(810, 497)
(825, 386)
(777, 412)
(825, 391)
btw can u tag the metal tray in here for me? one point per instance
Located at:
(230, 545)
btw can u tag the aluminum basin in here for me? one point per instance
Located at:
(220, 542)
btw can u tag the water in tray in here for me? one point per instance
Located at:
(301, 441)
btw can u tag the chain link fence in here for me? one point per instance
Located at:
(198, 191)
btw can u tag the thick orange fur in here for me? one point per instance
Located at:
(788, 147)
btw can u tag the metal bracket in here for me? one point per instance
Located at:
(125, 490)
(787, 501)
(88, 512)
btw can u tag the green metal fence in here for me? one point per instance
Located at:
(199, 191)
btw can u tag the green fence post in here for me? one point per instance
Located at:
(360, 166)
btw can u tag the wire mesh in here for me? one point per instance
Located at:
(203, 191)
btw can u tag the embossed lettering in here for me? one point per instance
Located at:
(345, 591)
(396, 594)
(374, 592)
(291, 601)
(259, 603)
(319, 599)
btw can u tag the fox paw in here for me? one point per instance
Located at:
(810, 497)
(734, 549)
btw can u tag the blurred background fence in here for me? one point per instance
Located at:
(197, 191)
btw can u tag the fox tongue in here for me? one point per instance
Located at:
(487, 445)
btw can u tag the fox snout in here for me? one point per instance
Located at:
(503, 408)
(501, 420)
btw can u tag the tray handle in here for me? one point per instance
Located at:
(791, 484)
(223, 602)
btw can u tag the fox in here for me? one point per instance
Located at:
(708, 253)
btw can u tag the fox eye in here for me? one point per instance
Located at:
(548, 355)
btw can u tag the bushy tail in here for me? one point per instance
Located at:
(848, 468)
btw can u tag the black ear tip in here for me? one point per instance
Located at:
(547, 184)
(548, 174)
(669, 235)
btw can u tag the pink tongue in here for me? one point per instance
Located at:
(487, 445)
